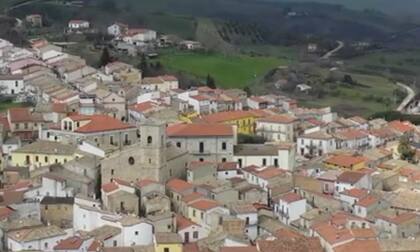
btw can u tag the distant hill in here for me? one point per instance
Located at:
(401, 8)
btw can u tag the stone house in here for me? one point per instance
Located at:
(204, 142)
(57, 211)
(153, 158)
(201, 171)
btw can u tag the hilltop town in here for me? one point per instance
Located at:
(106, 159)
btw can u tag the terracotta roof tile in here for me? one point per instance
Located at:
(397, 219)
(204, 204)
(226, 116)
(178, 185)
(283, 119)
(346, 161)
(71, 243)
(192, 196)
(239, 249)
(356, 193)
(109, 187)
(290, 197)
(351, 134)
(5, 212)
(367, 201)
(350, 177)
(182, 222)
(359, 245)
(98, 123)
(402, 127)
(145, 182)
(301, 244)
(199, 130)
(20, 115)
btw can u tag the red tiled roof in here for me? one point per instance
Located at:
(191, 197)
(20, 115)
(182, 222)
(199, 130)
(59, 107)
(145, 182)
(227, 166)
(290, 197)
(191, 247)
(98, 123)
(350, 177)
(356, 193)
(239, 249)
(5, 123)
(287, 233)
(346, 161)
(227, 116)
(351, 134)
(301, 244)
(178, 185)
(402, 127)
(143, 107)
(5, 212)
(95, 246)
(204, 204)
(397, 219)
(367, 201)
(284, 119)
(71, 243)
(363, 233)
(359, 245)
(333, 234)
(109, 187)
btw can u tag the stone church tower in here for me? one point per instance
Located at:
(147, 159)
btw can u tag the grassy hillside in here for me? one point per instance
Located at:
(402, 8)
(228, 71)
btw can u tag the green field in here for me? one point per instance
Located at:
(5, 105)
(363, 100)
(228, 71)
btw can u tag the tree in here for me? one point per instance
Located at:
(348, 79)
(405, 150)
(105, 58)
(144, 66)
(210, 82)
(247, 90)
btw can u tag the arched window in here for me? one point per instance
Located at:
(131, 160)
(149, 140)
(65, 125)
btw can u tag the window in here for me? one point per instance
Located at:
(131, 160)
(178, 144)
(201, 147)
(115, 243)
(247, 221)
(195, 234)
(36, 159)
(202, 215)
(276, 162)
(48, 134)
(46, 207)
(220, 220)
(46, 159)
(16, 84)
(193, 213)
(65, 125)
(165, 249)
(240, 163)
(17, 125)
(264, 162)
(149, 140)
(136, 233)
(111, 140)
(224, 146)
(46, 245)
(25, 125)
(56, 161)
(201, 159)
(112, 172)
(223, 160)
(150, 160)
